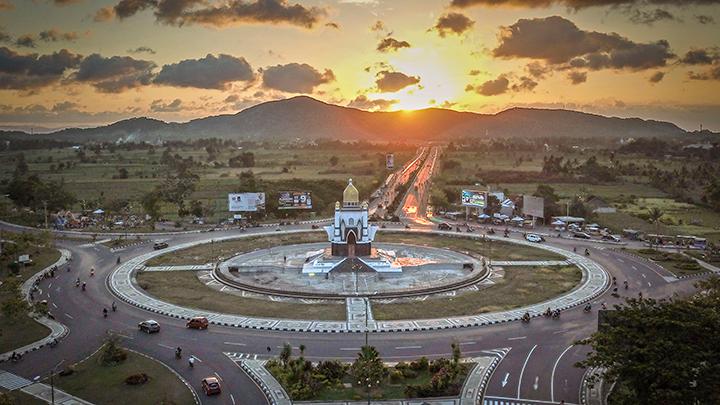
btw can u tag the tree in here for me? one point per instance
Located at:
(177, 188)
(654, 216)
(334, 161)
(151, 204)
(246, 159)
(550, 199)
(662, 352)
(439, 200)
(368, 366)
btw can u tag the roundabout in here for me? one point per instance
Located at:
(285, 261)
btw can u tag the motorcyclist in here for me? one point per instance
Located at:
(587, 252)
(548, 312)
(588, 307)
(526, 317)
(625, 283)
(614, 280)
(114, 307)
(191, 361)
(83, 286)
(178, 352)
(105, 311)
(92, 272)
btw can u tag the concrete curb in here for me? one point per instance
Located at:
(121, 282)
(276, 396)
(57, 329)
(183, 380)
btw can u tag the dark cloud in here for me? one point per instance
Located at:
(104, 14)
(332, 25)
(114, 74)
(231, 12)
(650, 17)
(491, 87)
(701, 56)
(30, 71)
(162, 106)
(577, 4)
(55, 35)
(295, 78)
(142, 49)
(538, 70)
(524, 84)
(4, 36)
(710, 74)
(26, 41)
(65, 2)
(377, 26)
(64, 106)
(657, 77)
(559, 41)
(390, 82)
(705, 19)
(453, 23)
(577, 77)
(210, 72)
(364, 103)
(391, 44)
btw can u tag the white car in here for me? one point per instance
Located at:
(149, 326)
(531, 237)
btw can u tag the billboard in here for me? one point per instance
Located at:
(295, 200)
(533, 206)
(246, 202)
(390, 161)
(474, 198)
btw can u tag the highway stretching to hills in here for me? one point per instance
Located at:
(538, 369)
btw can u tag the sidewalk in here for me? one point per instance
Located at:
(44, 392)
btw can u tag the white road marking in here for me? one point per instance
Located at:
(407, 347)
(518, 338)
(536, 384)
(50, 285)
(54, 306)
(552, 375)
(69, 316)
(522, 371)
(166, 346)
(634, 268)
(350, 349)
(196, 358)
(234, 344)
(620, 260)
(232, 398)
(218, 376)
(504, 382)
(644, 276)
(467, 343)
(649, 285)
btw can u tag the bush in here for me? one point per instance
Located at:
(332, 370)
(137, 379)
(69, 370)
(112, 354)
(396, 376)
(420, 365)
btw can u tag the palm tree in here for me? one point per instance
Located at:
(654, 215)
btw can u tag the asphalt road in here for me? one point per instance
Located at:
(539, 365)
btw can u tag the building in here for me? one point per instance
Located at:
(351, 234)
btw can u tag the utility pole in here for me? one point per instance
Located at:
(46, 214)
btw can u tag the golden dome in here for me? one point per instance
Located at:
(351, 195)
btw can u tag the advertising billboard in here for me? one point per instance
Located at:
(474, 198)
(533, 206)
(295, 200)
(390, 161)
(246, 202)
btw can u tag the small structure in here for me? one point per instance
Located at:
(599, 206)
(351, 235)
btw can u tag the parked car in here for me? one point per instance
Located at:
(445, 227)
(198, 322)
(581, 235)
(531, 237)
(149, 326)
(211, 386)
(611, 238)
(160, 245)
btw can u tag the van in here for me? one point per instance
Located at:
(198, 322)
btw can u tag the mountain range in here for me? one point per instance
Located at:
(304, 117)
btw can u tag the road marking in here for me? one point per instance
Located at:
(50, 285)
(644, 276)
(218, 376)
(196, 358)
(518, 338)
(54, 306)
(166, 346)
(232, 398)
(552, 375)
(350, 349)
(507, 400)
(234, 344)
(634, 268)
(69, 316)
(536, 385)
(649, 285)
(505, 380)
(621, 260)
(407, 347)
(522, 371)
(467, 343)
(557, 332)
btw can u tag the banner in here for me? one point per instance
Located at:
(390, 161)
(473, 198)
(533, 206)
(295, 200)
(246, 202)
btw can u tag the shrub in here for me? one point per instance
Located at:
(421, 364)
(137, 379)
(396, 376)
(112, 354)
(409, 373)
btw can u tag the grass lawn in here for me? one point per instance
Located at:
(492, 249)
(387, 390)
(18, 397)
(102, 384)
(521, 286)
(121, 242)
(676, 263)
(184, 288)
(209, 252)
(21, 330)
(704, 256)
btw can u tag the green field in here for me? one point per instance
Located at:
(519, 287)
(676, 263)
(105, 384)
(183, 288)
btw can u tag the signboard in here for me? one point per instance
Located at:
(295, 200)
(390, 161)
(533, 206)
(474, 198)
(246, 202)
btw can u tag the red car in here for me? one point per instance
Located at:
(211, 386)
(198, 322)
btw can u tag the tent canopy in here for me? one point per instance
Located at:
(98, 211)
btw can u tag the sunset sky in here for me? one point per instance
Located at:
(83, 62)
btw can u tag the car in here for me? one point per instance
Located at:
(211, 386)
(160, 245)
(611, 238)
(149, 326)
(531, 237)
(581, 235)
(198, 322)
(445, 227)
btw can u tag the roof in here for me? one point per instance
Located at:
(351, 194)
